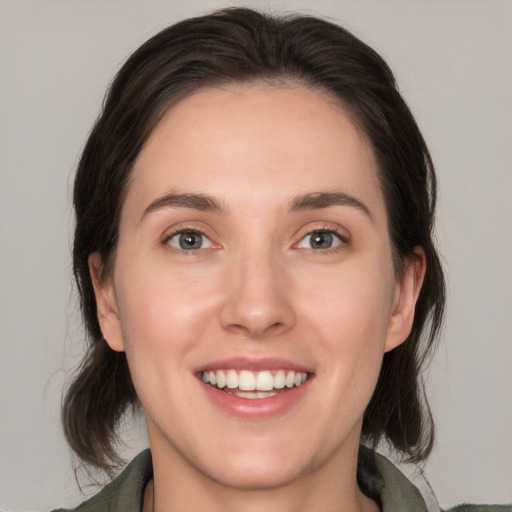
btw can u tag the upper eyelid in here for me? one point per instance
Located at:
(185, 227)
(166, 241)
(329, 227)
(342, 233)
(184, 232)
(172, 234)
(325, 230)
(342, 239)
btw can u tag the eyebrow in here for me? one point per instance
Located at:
(311, 201)
(200, 202)
(318, 200)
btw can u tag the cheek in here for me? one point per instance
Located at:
(349, 314)
(158, 305)
(164, 316)
(353, 303)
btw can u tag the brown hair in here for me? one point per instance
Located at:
(239, 46)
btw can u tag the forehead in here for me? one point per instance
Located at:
(241, 142)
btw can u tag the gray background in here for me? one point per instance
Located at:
(453, 63)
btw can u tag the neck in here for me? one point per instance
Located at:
(178, 486)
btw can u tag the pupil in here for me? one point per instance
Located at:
(190, 241)
(322, 240)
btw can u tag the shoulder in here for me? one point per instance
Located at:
(397, 493)
(125, 492)
(482, 508)
(380, 477)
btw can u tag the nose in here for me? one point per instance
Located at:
(257, 303)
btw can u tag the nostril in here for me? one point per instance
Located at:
(255, 332)
(257, 308)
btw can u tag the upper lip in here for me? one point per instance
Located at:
(252, 364)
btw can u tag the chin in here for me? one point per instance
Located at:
(256, 473)
(262, 464)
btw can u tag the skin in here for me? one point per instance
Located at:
(257, 288)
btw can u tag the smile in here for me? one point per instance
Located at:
(253, 385)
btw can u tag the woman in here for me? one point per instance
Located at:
(254, 256)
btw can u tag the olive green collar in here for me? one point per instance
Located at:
(126, 492)
(396, 492)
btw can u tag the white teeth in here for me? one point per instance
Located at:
(221, 379)
(232, 379)
(279, 379)
(264, 381)
(251, 396)
(245, 380)
(265, 394)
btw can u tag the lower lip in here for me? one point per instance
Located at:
(257, 408)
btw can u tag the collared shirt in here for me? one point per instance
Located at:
(395, 492)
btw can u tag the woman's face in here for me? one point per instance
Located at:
(254, 252)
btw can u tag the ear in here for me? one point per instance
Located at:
(106, 304)
(406, 295)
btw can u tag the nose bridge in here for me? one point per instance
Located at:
(258, 302)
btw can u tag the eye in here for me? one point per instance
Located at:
(320, 239)
(189, 241)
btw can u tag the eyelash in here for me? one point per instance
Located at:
(341, 239)
(185, 231)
